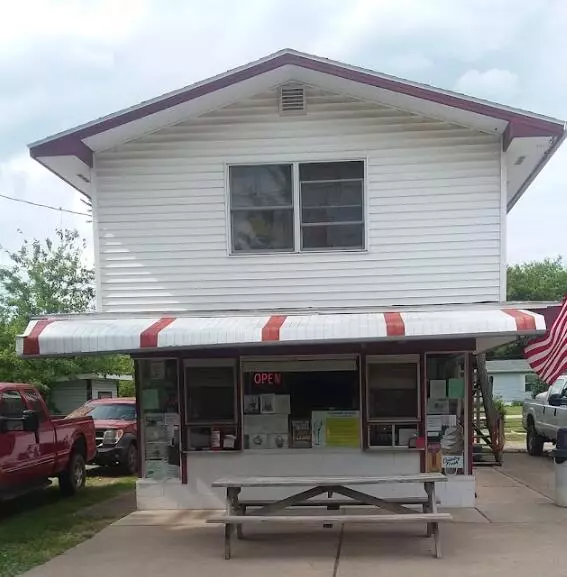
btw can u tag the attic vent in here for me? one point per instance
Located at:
(292, 100)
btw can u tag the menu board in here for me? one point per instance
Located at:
(335, 429)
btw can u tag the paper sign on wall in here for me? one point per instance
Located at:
(437, 389)
(452, 462)
(456, 388)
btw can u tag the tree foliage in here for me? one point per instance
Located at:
(544, 280)
(47, 277)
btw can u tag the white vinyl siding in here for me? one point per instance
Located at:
(432, 210)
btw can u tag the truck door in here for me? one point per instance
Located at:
(14, 443)
(551, 414)
(46, 450)
(560, 413)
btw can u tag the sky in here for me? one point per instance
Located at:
(65, 62)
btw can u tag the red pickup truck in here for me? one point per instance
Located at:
(35, 446)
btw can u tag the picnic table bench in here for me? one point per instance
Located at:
(390, 510)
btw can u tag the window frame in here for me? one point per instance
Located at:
(296, 206)
(387, 360)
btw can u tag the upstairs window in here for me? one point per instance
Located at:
(332, 205)
(261, 208)
(269, 212)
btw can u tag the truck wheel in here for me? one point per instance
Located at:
(534, 442)
(73, 478)
(130, 463)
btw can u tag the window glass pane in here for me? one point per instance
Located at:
(331, 214)
(262, 230)
(35, 404)
(331, 170)
(263, 185)
(317, 194)
(293, 408)
(333, 236)
(392, 390)
(210, 394)
(11, 405)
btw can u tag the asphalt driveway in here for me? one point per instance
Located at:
(514, 530)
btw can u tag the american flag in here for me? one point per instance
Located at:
(548, 355)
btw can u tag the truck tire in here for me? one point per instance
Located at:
(130, 463)
(73, 478)
(534, 441)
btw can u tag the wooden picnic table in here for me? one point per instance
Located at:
(390, 510)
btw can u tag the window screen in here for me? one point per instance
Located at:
(332, 205)
(211, 394)
(393, 391)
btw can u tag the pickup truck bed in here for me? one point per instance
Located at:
(35, 446)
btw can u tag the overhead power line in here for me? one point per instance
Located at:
(44, 205)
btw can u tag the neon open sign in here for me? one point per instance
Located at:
(267, 378)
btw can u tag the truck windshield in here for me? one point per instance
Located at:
(114, 412)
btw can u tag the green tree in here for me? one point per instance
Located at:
(544, 280)
(47, 277)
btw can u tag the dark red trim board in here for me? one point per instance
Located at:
(395, 326)
(524, 321)
(31, 342)
(149, 337)
(271, 330)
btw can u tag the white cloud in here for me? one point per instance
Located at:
(24, 179)
(494, 84)
(63, 62)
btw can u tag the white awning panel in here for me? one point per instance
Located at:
(96, 334)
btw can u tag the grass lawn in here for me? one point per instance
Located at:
(41, 525)
(513, 424)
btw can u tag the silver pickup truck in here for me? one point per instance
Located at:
(544, 415)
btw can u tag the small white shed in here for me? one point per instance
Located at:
(69, 394)
(509, 379)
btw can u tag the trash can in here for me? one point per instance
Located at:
(560, 458)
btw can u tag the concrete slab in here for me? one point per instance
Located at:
(197, 551)
(535, 472)
(469, 549)
(514, 530)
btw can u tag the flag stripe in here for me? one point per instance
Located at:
(548, 355)
(544, 356)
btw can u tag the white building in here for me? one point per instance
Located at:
(303, 257)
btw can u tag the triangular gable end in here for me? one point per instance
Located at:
(528, 139)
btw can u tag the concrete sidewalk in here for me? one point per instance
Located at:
(514, 530)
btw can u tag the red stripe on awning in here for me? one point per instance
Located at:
(524, 321)
(395, 326)
(31, 342)
(271, 330)
(149, 337)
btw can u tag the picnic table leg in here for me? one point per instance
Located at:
(433, 528)
(232, 508)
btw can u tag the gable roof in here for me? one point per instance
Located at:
(524, 134)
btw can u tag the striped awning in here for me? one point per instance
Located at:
(101, 334)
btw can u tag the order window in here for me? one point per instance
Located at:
(211, 405)
(301, 404)
(392, 401)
